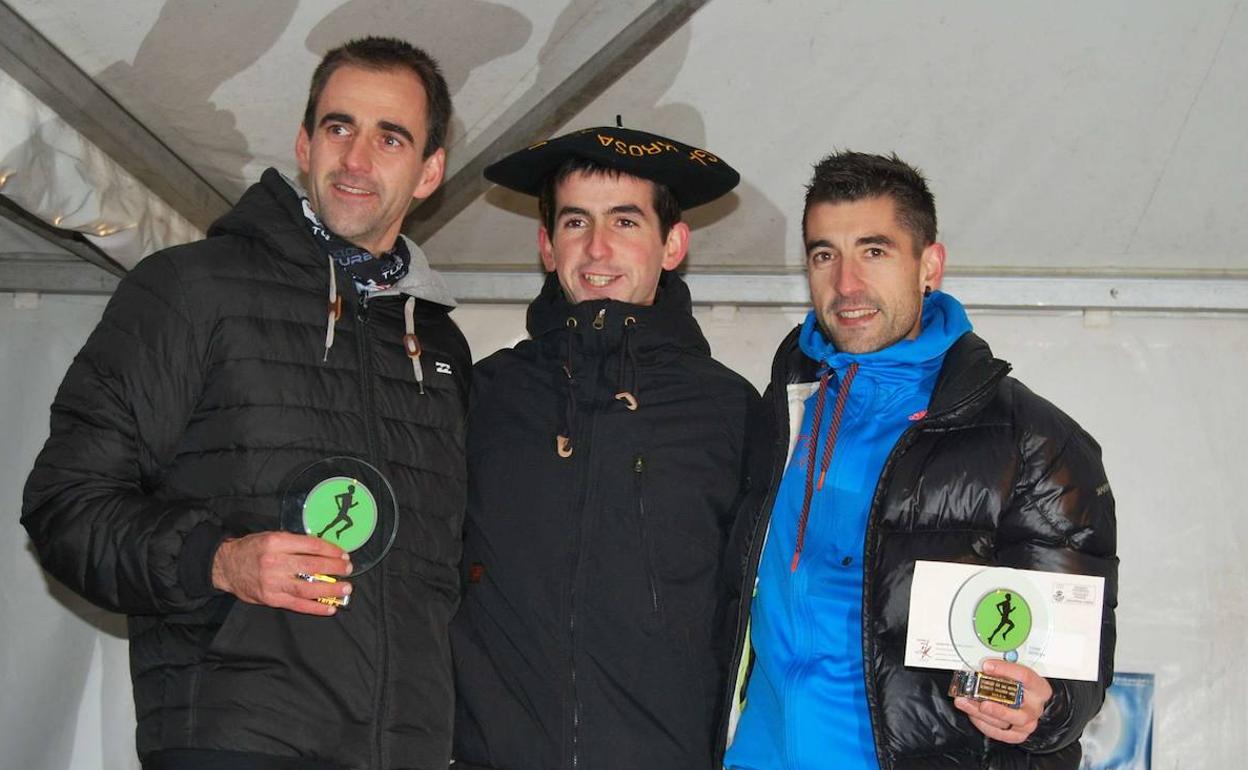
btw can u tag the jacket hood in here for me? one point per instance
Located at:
(944, 320)
(668, 322)
(968, 376)
(271, 211)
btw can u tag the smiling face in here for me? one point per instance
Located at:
(866, 273)
(365, 157)
(606, 241)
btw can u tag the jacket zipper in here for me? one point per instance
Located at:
(868, 555)
(585, 457)
(598, 323)
(576, 698)
(903, 444)
(363, 350)
(753, 556)
(639, 466)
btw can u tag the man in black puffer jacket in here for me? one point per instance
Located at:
(906, 440)
(607, 459)
(215, 375)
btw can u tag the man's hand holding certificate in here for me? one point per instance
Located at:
(1004, 631)
(964, 614)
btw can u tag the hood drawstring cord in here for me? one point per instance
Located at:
(628, 360)
(842, 396)
(563, 439)
(335, 309)
(627, 371)
(411, 343)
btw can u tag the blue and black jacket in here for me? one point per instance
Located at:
(991, 474)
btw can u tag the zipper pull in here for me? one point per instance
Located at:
(639, 464)
(600, 320)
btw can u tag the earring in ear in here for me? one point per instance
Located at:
(927, 291)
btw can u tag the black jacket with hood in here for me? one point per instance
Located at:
(588, 635)
(206, 384)
(995, 475)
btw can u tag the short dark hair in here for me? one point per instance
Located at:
(851, 176)
(383, 53)
(665, 205)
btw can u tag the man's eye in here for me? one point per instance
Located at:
(875, 252)
(337, 129)
(573, 222)
(626, 222)
(820, 258)
(392, 141)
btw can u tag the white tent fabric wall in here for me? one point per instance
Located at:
(1159, 392)
(64, 667)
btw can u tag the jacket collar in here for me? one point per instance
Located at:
(944, 321)
(967, 381)
(668, 322)
(270, 211)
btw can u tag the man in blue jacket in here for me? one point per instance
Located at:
(906, 440)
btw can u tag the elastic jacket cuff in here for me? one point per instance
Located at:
(195, 559)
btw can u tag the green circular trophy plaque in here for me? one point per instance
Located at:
(347, 502)
(1002, 620)
(999, 613)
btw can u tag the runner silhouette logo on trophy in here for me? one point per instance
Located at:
(340, 501)
(1003, 607)
(1003, 620)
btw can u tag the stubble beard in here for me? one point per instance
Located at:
(354, 226)
(894, 328)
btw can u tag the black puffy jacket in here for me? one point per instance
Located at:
(588, 633)
(201, 389)
(992, 475)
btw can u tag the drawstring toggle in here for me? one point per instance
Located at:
(411, 343)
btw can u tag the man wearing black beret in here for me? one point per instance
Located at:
(607, 462)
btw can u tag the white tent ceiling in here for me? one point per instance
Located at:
(1105, 138)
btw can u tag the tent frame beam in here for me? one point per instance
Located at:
(1165, 294)
(1002, 292)
(38, 273)
(540, 115)
(66, 240)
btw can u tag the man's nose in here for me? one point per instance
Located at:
(848, 279)
(599, 244)
(358, 157)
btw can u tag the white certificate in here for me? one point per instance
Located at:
(964, 614)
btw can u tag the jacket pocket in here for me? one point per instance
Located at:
(643, 527)
(222, 640)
